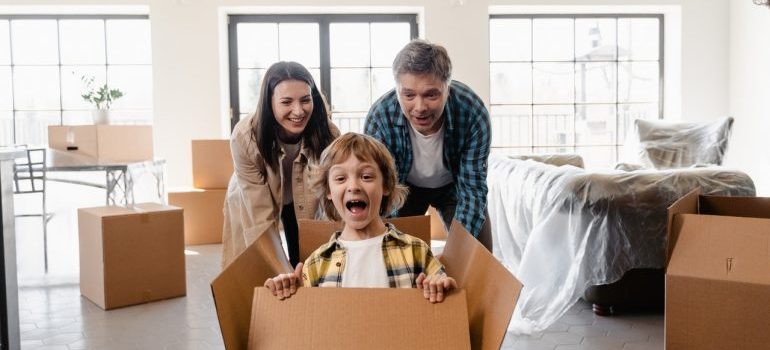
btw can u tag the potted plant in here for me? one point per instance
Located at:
(101, 97)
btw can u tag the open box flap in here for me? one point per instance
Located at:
(234, 287)
(492, 290)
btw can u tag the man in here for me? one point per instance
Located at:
(438, 131)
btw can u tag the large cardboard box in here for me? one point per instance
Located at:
(249, 319)
(718, 274)
(131, 255)
(212, 163)
(105, 143)
(203, 215)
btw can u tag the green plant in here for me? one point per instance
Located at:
(101, 96)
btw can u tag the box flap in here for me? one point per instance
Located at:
(153, 207)
(722, 248)
(752, 207)
(139, 208)
(314, 233)
(687, 204)
(358, 318)
(492, 290)
(234, 287)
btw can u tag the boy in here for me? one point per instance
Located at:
(357, 182)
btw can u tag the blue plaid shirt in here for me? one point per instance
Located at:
(466, 146)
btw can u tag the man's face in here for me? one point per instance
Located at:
(422, 98)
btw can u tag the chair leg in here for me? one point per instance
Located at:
(45, 232)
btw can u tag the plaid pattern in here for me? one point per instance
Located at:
(405, 258)
(467, 139)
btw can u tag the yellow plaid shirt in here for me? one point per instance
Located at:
(405, 258)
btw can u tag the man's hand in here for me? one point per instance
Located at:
(434, 286)
(285, 284)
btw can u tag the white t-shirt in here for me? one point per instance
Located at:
(364, 264)
(428, 168)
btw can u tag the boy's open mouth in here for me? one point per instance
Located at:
(356, 206)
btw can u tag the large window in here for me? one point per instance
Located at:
(43, 60)
(569, 83)
(350, 57)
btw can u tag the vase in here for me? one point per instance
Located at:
(101, 116)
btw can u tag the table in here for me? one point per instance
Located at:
(119, 176)
(9, 298)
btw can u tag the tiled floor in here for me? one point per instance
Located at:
(54, 315)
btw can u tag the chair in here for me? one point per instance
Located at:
(29, 176)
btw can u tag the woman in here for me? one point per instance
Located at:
(271, 153)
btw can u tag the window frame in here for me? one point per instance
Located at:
(323, 20)
(104, 18)
(532, 147)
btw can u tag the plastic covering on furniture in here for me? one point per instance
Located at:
(563, 229)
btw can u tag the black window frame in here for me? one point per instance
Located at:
(323, 20)
(574, 16)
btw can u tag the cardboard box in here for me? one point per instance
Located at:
(343, 319)
(106, 143)
(718, 274)
(490, 291)
(437, 229)
(131, 255)
(203, 215)
(212, 163)
(315, 233)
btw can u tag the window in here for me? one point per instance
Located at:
(573, 83)
(350, 57)
(42, 60)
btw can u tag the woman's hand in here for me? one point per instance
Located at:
(434, 286)
(285, 284)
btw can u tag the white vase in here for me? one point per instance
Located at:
(101, 116)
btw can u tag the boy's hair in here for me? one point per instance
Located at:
(366, 149)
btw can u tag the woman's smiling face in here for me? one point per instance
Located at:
(292, 107)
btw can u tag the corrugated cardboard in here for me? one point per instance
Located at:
(437, 228)
(233, 289)
(717, 279)
(212, 163)
(203, 216)
(131, 255)
(344, 318)
(475, 269)
(315, 233)
(106, 143)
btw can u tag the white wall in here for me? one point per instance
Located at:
(187, 66)
(749, 98)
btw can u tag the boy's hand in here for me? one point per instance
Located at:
(285, 284)
(434, 286)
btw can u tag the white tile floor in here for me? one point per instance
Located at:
(54, 315)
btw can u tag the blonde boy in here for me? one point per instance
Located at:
(357, 181)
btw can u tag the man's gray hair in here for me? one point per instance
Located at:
(422, 57)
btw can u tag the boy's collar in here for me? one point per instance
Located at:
(391, 232)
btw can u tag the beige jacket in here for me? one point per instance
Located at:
(255, 193)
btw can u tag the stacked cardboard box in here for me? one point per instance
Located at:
(105, 143)
(718, 274)
(474, 316)
(131, 255)
(203, 216)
